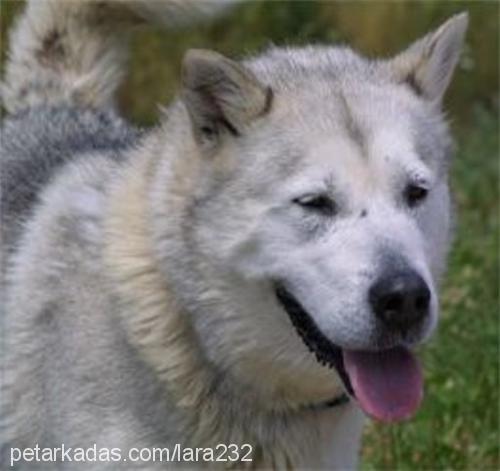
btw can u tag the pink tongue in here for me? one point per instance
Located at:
(387, 384)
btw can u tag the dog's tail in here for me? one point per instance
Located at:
(73, 51)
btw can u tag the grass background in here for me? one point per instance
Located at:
(458, 425)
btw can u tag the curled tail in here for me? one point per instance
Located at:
(74, 51)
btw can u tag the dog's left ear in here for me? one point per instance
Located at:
(221, 95)
(428, 64)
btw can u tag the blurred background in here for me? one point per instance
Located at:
(458, 426)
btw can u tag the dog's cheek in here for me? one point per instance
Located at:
(435, 222)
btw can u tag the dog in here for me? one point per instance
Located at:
(254, 271)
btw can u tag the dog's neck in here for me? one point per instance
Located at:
(166, 340)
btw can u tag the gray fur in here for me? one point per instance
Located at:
(139, 269)
(39, 141)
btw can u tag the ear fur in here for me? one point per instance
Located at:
(221, 94)
(428, 64)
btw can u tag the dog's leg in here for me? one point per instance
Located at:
(73, 51)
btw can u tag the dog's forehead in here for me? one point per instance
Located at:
(361, 110)
(345, 128)
(337, 111)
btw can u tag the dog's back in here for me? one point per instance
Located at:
(66, 61)
(39, 141)
(62, 143)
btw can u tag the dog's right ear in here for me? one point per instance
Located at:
(428, 64)
(221, 95)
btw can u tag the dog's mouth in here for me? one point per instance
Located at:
(326, 352)
(387, 384)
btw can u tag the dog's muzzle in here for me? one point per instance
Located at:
(387, 384)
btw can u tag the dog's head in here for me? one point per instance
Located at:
(323, 195)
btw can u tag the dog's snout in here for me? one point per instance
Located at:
(401, 299)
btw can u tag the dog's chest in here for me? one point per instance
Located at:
(338, 445)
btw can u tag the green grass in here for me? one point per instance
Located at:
(457, 427)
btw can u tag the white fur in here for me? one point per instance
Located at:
(154, 275)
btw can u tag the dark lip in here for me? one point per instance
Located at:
(326, 352)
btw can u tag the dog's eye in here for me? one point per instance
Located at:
(415, 194)
(322, 204)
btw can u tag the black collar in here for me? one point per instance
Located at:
(331, 403)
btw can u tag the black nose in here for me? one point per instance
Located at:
(400, 299)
